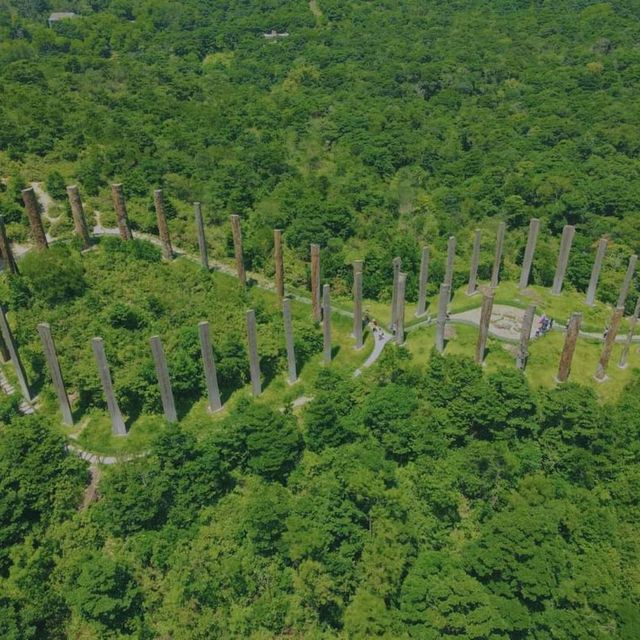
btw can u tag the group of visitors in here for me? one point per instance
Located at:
(545, 324)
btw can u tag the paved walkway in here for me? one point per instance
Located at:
(377, 350)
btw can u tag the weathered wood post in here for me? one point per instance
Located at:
(326, 323)
(120, 206)
(277, 256)
(14, 354)
(315, 282)
(357, 303)
(79, 219)
(497, 260)
(164, 382)
(443, 303)
(237, 247)
(563, 258)
(529, 252)
(570, 339)
(424, 279)
(118, 427)
(483, 329)
(396, 266)
(4, 350)
(163, 227)
(595, 271)
(51, 356)
(402, 285)
(210, 372)
(627, 343)
(6, 250)
(254, 360)
(451, 256)
(609, 341)
(525, 335)
(288, 339)
(624, 289)
(35, 221)
(202, 240)
(472, 288)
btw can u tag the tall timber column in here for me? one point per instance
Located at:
(237, 247)
(277, 256)
(79, 219)
(326, 323)
(357, 303)
(210, 372)
(563, 258)
(609, 341)
(570, 339)
(14, 354)
(624, 289)
(163, 228)
(497, 260)
(118, 427)
(422, 284)
(51, 356)
(483, 330)
(202, 240)
(529, 252)
(443, 303)
(525, 335)
(6, 250)
(402, 285)
(451, 256)
(595, 271)
(315, 282)
(35, 221)
(288, 339)
(164, 382)
(396, 265)
(627, 343)
(254, 360)
(120, 206)
(472, 288)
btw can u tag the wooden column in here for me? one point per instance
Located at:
(254, 359)
(315, 282)
(277, 256)
(609, 341)
(202, 241)
(595, 271)
(79, 219)
(441, 322)
(163, 228)
(525, 336)
(51, 356)
(326, 324)
(627, 343)
(570, 339)
(563, 258)
(497, 260)
(396, 265)
(210, 372)
(6, 250)
(237, 246)
(357, 303)
(402, 284)
(164, 382)
(626, 284)
(483, 329)
(451, 256)
(14, 354)
(35, 221)
(118, 427)
(288, 339)
(119, 204)
(529, 252)
(424, 279)
(475, 259)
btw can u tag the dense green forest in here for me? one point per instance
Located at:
(428, 497)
